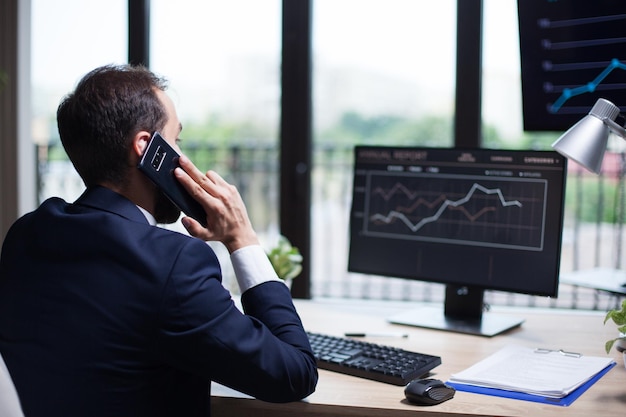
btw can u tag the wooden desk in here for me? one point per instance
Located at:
(344, 395)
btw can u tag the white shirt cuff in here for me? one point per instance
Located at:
(252, 267)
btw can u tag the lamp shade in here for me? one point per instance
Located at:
(586, 141)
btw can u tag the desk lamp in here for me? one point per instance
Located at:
(586, 141)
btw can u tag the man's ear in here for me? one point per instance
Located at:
(140, 142)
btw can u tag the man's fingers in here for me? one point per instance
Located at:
(210, 181)
(191, 169)
(188, 182)
(195, 229)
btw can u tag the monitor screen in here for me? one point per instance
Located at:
(474, 220)
(571, 55)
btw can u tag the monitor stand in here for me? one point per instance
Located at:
(463, 313)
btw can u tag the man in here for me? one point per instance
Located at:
(103, 314)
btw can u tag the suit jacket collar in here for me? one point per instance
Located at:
(102, 198)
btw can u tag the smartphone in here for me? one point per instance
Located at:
(158, 162)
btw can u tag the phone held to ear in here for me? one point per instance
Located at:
(158, 162)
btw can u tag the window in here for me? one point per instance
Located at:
(222, 60)
(69, 39)
(383, 73)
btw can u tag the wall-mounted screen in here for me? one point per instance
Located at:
(572, 53)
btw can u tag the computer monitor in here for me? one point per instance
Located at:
(472, 219)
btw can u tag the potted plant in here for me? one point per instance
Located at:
(286, 260)
(619, 318)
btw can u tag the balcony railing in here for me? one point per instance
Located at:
(593, 235)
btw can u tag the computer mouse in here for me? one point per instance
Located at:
(428, 391)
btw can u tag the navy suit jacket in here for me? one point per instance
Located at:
(102, 314)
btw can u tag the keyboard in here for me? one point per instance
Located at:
(369, 360)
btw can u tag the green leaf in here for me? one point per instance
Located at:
(619, 318)
(286, 259)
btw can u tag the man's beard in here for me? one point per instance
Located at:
(165, 212)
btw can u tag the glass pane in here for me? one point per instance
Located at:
(69, 38)
(591, 218)
(384, 73)
(502, 89)
(502, 83)
(222, 60)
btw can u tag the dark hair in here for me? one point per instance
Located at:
(98, 120)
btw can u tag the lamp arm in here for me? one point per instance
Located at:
(615, 127)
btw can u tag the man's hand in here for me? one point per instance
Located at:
(227, 217)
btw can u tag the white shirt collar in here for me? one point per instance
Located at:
(149, 216)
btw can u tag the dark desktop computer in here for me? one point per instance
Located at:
(472, 219)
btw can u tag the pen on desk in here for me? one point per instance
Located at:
(376, 335)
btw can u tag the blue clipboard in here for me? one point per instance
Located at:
(564, 401)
